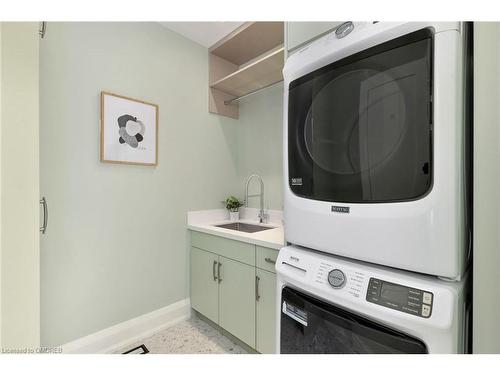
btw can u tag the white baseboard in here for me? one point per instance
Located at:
(118, 336)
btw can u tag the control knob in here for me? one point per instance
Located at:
(336, 278)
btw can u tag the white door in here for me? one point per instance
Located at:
(19, 308)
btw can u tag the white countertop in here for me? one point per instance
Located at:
(204, 221)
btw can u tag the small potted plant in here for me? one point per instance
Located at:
(233, 205)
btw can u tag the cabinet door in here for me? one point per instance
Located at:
(237, 299)
(266, 312)
(204, 283)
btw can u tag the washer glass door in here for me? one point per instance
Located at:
(309, 326)
(360, 129)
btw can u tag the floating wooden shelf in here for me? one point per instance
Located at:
(250, 40)
(247, 60)
(260, 73)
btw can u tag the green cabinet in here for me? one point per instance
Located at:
(237, 250)
(233, 284)
(237, 300)
(266, 258)
(265, 312)
(204, 283)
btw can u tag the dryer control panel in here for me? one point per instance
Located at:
(344, 280)
(399, 297)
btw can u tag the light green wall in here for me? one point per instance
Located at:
(486, 294)
(116, 247)
(261, 144)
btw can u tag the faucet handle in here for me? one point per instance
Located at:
(264, 217)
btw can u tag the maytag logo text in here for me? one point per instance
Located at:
(341, 209)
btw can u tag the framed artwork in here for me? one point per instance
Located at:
(129, 130)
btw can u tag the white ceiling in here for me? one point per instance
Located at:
(204, 33)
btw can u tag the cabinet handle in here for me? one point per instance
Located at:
(269, 260)
(218, 272)
(257, 280)
(213, 270)
(43, 228)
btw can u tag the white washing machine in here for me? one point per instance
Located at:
(328, 304)
(377, 145)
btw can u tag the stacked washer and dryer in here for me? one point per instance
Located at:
(377, 208)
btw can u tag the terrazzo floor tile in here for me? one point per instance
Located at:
(193, 336)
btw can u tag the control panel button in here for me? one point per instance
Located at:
(427, 298)
(336, 278)
(426, 311)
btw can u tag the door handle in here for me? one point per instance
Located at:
(213, 270)
(269, 260)
(218, 272)
(43, 202)
(257, 281)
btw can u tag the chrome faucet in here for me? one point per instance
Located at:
(262, 215)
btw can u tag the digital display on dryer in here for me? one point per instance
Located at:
(394, 293)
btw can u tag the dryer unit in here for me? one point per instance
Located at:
(330, 305)
(376, 145)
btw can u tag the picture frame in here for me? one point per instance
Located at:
(129, 130)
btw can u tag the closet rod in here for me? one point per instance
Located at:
(226, 102)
